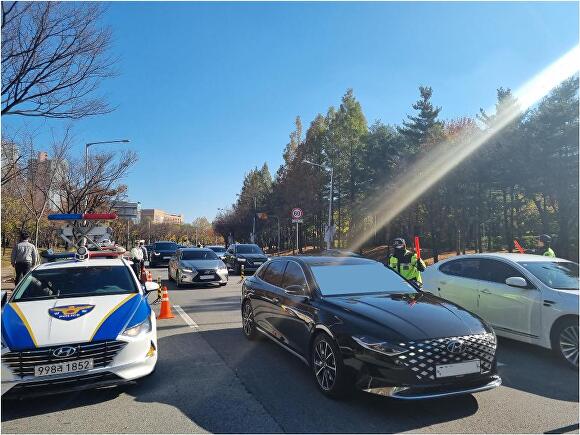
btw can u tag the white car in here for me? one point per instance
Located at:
(73, 324)
(530, 298)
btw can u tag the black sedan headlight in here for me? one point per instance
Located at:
(379, 346)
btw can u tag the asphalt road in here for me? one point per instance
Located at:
(209, 378)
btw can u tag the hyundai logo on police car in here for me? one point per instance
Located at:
(456, 346)
(64, 352)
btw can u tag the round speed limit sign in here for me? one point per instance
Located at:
(297, 213)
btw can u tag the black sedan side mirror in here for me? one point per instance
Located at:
(295, 289)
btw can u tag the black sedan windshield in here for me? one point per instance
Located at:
(248, 249)
(346, 279)
(217, 249)
(198, 255)
(76, 281)
(165, 246)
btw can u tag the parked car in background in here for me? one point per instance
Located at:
(197, 266)
(247, 254)
(357, 323)
(530, 298)
(162, 253)
(219, 250)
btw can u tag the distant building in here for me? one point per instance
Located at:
(157, 216)
(128, 210)
(41, 171)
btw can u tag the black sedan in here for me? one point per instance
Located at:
(162, 253)
(248, 255)
(357, 323)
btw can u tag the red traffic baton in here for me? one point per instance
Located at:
(417, 247)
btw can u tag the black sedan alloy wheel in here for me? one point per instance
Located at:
(248, 321)
(327, 367)
(324, 365)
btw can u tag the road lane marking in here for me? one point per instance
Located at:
(186, 317)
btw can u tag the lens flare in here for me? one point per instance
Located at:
(432, 167)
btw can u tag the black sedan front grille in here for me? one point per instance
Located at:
(425, 355)
(22, 363)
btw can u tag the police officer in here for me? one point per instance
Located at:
(24, 257)
(406, 262)
(544, 248)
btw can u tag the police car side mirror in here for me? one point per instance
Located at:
(4, 297)
(151, 286)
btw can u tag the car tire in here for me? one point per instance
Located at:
(248, 322)
(328, 369)
(565, 341)
(238, 269)
(222, 284)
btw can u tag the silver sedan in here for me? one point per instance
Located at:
(197, 266)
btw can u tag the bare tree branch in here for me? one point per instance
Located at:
(54, 56)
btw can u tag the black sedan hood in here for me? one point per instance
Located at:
(253, 256)
(413, 316)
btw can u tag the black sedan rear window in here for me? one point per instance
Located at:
(76, 282)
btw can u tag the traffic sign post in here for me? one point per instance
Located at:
(297, 215)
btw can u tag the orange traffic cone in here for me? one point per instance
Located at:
(165, 312)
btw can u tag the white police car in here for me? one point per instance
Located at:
(72, 325)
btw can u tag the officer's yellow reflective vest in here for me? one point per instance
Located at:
(409, 268)
(549, 253)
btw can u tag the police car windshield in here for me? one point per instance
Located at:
(75, 282)
(351, 279)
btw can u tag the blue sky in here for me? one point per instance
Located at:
(208, 91)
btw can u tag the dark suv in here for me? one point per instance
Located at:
(161, 252)
(249, 255)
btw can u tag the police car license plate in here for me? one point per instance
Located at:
(462, 368)
(206, 277)
(64, 367)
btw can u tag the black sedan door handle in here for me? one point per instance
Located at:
(275, 300)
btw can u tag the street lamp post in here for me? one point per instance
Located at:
(87, 145)
(331, 170)
(254, 220)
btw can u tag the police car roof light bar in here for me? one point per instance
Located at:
(82, 216)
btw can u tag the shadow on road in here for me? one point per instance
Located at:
(284, 386)
(536, 370)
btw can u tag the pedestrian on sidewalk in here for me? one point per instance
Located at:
(24, 257)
